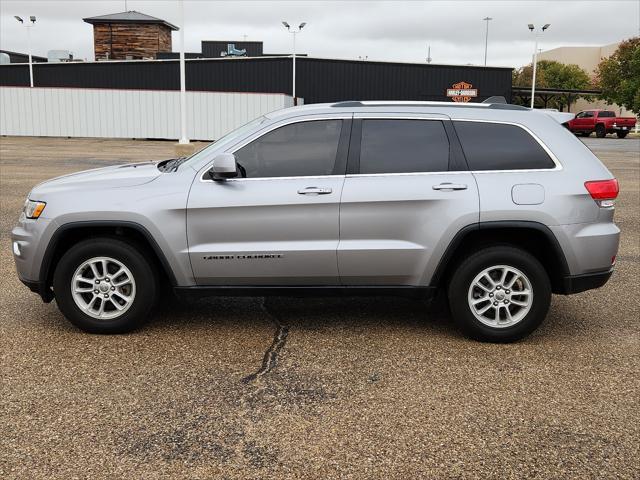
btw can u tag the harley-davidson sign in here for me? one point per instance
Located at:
(462, 92)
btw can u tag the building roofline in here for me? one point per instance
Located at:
(269, 57)
(113, 18)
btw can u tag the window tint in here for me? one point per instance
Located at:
(580, 115)
(298, 149)
(606, 113)
(494, 146)
(403, 146)
(588, 114)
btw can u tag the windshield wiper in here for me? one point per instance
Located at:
(171, 165)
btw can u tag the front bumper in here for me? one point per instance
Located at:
(32, 237)
(580, 283)
(41, 289)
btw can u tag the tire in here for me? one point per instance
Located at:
(601, 132)
(622, 134)
(529, 274)
(137, 282)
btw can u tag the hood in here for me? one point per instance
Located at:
(103, 178)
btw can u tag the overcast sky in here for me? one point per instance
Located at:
(391, 31)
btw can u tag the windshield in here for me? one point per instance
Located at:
(225, 140)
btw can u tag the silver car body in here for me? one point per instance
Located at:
(364, 230)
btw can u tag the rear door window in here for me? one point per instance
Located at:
(403, 146)
(607, 114)
(496, 146)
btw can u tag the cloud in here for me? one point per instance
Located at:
(391, 31)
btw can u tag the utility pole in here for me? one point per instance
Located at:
(486, 39)
(535, 58)
(294, 32)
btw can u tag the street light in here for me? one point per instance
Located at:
(184, 140)
(535, 57)
(294, 32)
(486, 39)
(28, 27)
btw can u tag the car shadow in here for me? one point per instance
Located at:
(306, 313)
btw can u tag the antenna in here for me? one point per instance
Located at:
(428, 53)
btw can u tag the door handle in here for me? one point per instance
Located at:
(450, 186)
(315, 191)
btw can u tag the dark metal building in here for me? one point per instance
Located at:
(221, 48)
(214, 48)
(318, 80)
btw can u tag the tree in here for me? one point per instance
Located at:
(618, 76)
(552, 74)
(569, 77)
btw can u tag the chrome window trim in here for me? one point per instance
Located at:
(275, 178)
(390, 116)
(404, 174)
(554, 159)
(261, 133)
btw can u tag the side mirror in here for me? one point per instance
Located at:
(224, 166)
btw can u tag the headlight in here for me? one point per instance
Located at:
(33, 209)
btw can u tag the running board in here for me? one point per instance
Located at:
(426, 293)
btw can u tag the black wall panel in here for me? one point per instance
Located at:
(318, 80)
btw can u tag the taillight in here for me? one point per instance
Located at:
(604, 192)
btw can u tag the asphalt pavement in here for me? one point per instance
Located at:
(314, 388)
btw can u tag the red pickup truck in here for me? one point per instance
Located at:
(601, 122)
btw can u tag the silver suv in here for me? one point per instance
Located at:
(498, 205)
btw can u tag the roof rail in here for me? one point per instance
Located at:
(494, 106)
(495, 99)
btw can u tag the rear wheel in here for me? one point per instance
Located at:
(105, 286)
(499, 294)
(622, 134)
(601, 132)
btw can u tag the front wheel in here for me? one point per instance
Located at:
(622, 134)
(499, 294)
(105, 285)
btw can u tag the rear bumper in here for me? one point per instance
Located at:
(580, 283)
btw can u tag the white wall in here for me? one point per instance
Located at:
(77, 112)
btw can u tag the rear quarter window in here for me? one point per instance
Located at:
(497, 146)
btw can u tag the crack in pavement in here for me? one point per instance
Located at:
(270, 359)
(249, 447)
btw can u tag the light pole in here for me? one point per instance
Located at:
(183, 95)
(535, 57)
(28, 27)
(486, 39)
(294, 32)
